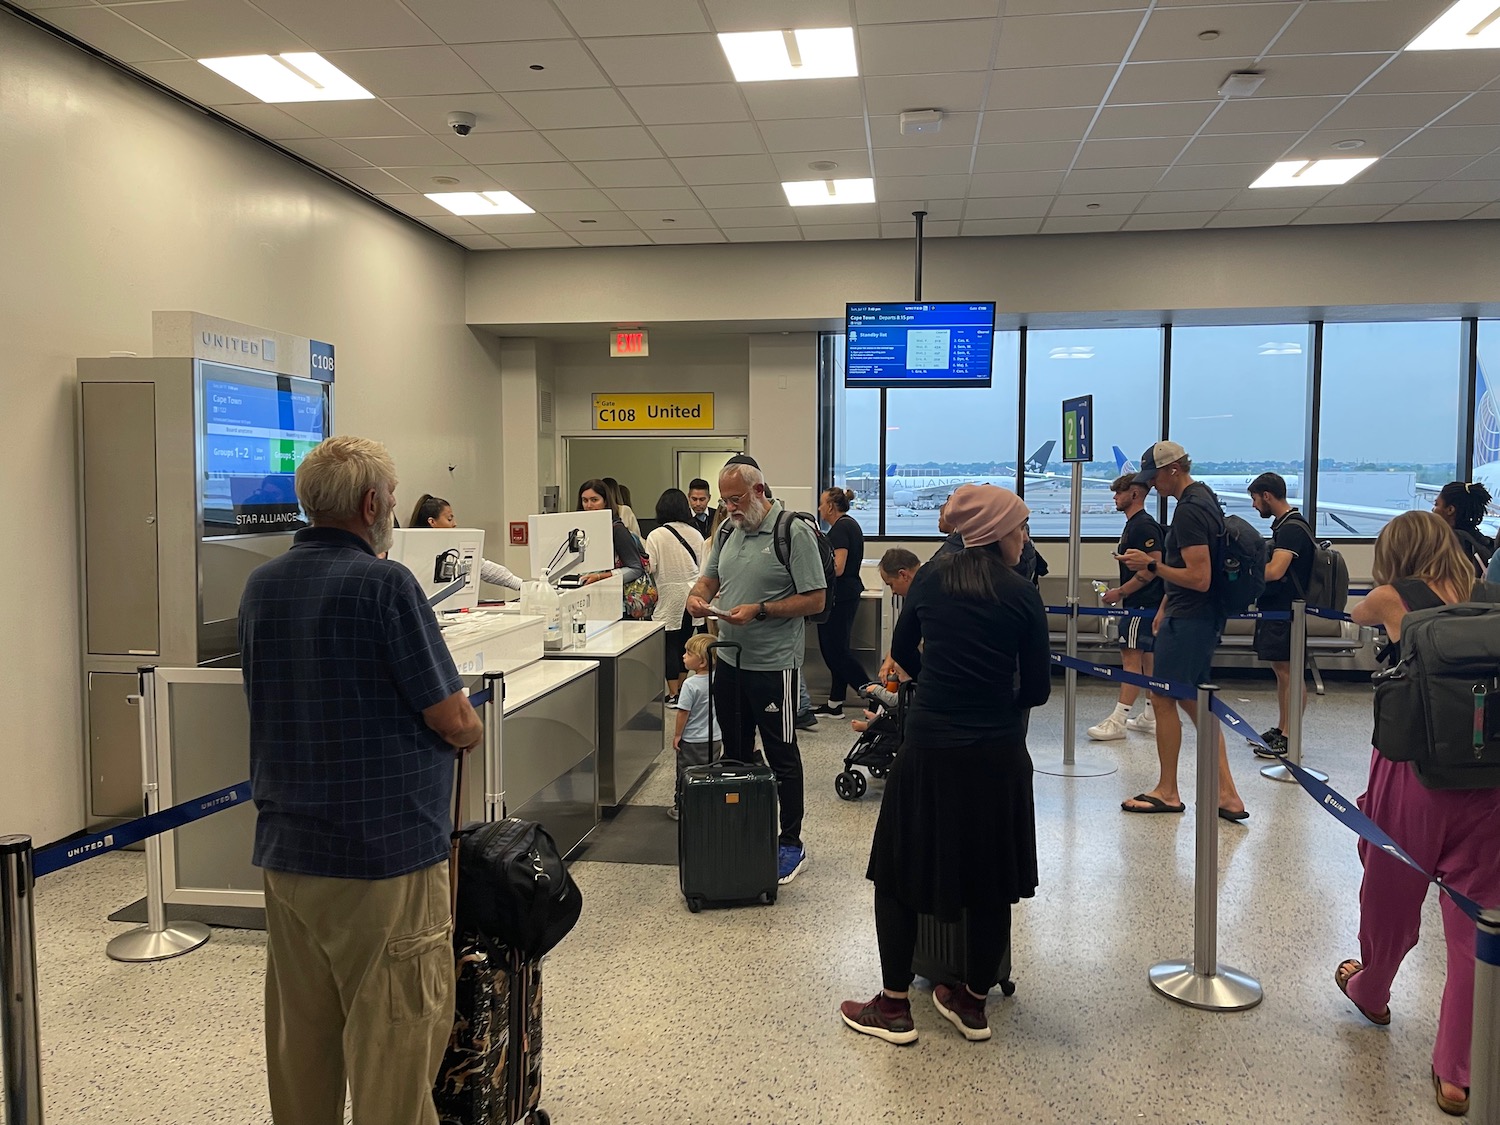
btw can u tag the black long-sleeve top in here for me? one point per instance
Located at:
(980, 665)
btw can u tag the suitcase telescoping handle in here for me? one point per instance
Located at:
(709, 672)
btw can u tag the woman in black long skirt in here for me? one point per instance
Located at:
(956, 834)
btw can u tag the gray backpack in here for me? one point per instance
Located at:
(1439, 707)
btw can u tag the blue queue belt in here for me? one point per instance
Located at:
(1092, 611)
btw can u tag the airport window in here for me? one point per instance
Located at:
(1121, 368)
(1486, 449)
(1239, 406)
(1389, 419)
(855, 438)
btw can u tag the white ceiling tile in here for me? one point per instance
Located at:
(639, 17)
(1461, 191)
(592, 221)
(1197, 80)
(1184, 202)
(1486, 169)
(451, 225)
(1129, 154)
(1315, 216)
(1186, 221)
(676, 236)
(1388, 111)
(952, 160)
(1096, 204)
(909, 230)
(375, 180)
(812, 134)
(550, 200)
(817, 97)
(1055, 7)
(948, 92)
(1083, 181)
(572, 109)
(611, 238)
(852, 164)
(330, 154)
(1180, 119)
(1362, 194)
(1015, 183)
(502, 148)
(1268, 217)
(683, 219)
(1490, 212)
(667, 200)
(722, 139)
(205, 29)
(715, 196)
(991, 227)
(1301, 76)
(841, 231)
(505, 225)
(896, 210)
(1207, 177)
(480, 242)
(1428, 169)
(603, 144)
(1082, 224)
(956, 129)
(1423, 71)
(686, 105)
(764, 234)
(1002, 126)
(903, 11)
(727, 217)
(520, 177)
(194, 80)
(1238, 148)
(484, 21)
(1048, 87)
(727, 169)
(420, 177)
(109, 31)
(1028, 41)
(1270, 115)
(926, 48)
(1020, 207)
(537, 240)
(492, 113)
(629, 173)
(1461, 140)
(368, 118)
(1481, 109)
(1321, 142)
(508, 66)
(406, 152)
(1257, 199)
(648, 60)
(45, 5)
(413, 204)
(1376, 25)
(1036, 156)
(397, 72)
(334, 25)
(736, 15)
(1427, 212)
(269, 121)
(924, 187)
(1247, 29)
(837, 214)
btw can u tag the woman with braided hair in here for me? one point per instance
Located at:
(1462, 505)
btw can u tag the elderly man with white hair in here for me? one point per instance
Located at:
(760, 604)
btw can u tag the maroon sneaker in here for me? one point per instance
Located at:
(882, 1017)
(964, 1010)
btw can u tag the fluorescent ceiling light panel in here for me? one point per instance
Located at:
(1314, 173)
(1469, 25)
(480, 202)
(821, 193)
(297, 77)
(775, 56)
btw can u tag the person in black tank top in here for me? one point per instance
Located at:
(847, 539)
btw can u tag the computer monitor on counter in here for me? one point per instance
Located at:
(439, 556)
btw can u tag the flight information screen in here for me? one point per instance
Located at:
(256, 428)
(924, 344)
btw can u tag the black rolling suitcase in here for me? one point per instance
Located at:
(728, 830)
(492, 1069)
(942, 954)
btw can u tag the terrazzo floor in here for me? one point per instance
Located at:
(655, 1015)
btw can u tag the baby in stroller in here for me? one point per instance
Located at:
(880, 733)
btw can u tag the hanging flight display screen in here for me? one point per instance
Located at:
(255, 428)
(923, 344)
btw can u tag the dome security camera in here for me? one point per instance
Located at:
(462, 122)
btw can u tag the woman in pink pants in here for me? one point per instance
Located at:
(1454, 833)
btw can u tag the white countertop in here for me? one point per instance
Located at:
(618, 639)
(536, 680)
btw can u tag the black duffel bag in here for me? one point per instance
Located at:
(514, 889)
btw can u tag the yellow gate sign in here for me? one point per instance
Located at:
(687, 411)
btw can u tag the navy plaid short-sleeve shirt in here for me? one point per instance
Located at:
(341, 655)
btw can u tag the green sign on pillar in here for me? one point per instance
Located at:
(1078, 429)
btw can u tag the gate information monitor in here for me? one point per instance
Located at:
(923, 344)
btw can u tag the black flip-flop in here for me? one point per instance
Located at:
(1156, 803)
(1225, 814)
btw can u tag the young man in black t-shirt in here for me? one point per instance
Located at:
(1134, 591)
(1287, 577)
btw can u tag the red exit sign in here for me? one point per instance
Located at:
(628, 342)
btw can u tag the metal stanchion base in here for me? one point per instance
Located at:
(146, 944)
(1229, 990)
(1079, 767)
(1279, 772)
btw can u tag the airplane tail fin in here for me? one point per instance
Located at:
(1486, 421)
(891, 469)
(1124, 464)
(1037, 462)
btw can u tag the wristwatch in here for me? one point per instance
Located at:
(762, 614)
(1151, 566)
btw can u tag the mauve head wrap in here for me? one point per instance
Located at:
(984, 513)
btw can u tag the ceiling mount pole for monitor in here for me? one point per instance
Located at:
(918, 216)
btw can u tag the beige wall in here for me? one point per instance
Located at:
(715, 364)
(116, 201)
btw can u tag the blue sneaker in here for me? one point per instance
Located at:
(789, 863)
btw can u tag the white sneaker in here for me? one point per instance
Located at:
(1145, 722)
(1109, 730)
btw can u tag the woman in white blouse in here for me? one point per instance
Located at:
(434, 511)
(677, 553)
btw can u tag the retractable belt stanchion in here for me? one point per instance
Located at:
(1071, 765)
(1202, 982)
(493, 715)
(1296, 700)
(1484, 1053)
(156, 940)
(19, 1028)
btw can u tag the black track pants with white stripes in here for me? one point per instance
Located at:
(745, 702)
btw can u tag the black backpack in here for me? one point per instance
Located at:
(1239, 560)
(513, 888)
(782, 539)
(1328, 584)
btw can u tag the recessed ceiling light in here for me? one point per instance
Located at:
(820, 193)
(1349, 145)
(1469, 25)
(297, 77)
(536, 66)
(775, 56)
(823, 165)
(480, 202)
(1314, 173)
(669, 220)
(588, 220)
(1208, 36)
(1093, 206)
(446, 181)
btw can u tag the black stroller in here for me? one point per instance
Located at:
(875, 748)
